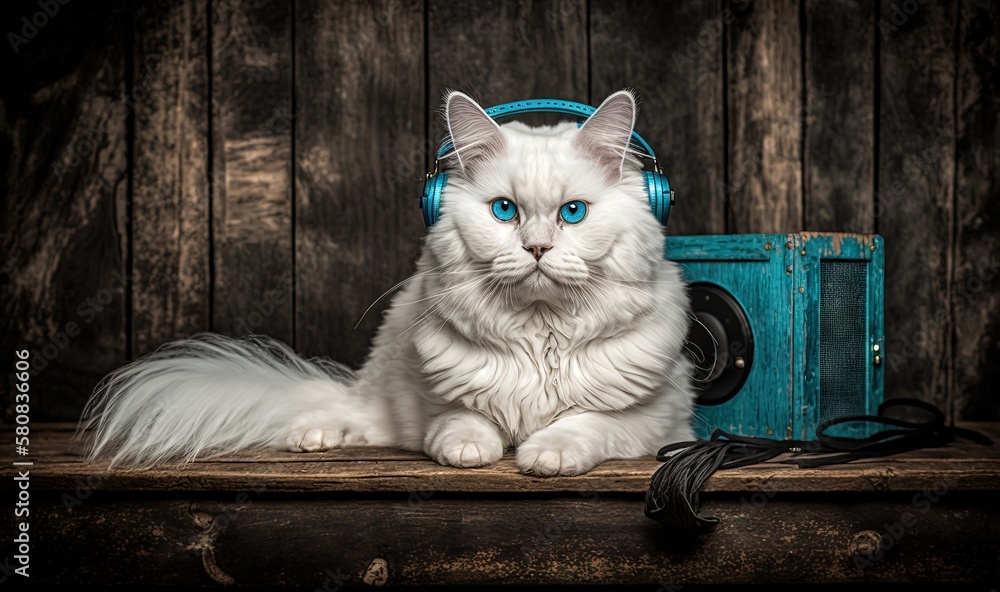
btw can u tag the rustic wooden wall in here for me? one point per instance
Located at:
(254, 165)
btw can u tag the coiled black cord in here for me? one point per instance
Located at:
(673, 500)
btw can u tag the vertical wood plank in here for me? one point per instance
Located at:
(62, 208)
(976, 291)
(359, 75)
(506, 51)
(680, 83)
(252, 162)
(170, 227)
(839, 116)
(765, 105)
(915, 192)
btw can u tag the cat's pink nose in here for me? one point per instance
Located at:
(538, 250)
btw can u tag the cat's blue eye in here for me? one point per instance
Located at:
(573, 212)
(503, 209)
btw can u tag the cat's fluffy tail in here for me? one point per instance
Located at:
(208, 395)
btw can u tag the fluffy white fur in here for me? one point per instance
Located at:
(574, 358)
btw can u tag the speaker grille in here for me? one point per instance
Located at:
(843, 354)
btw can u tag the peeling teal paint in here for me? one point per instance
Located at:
(765, 272)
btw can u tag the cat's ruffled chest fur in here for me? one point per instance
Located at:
(542, 366)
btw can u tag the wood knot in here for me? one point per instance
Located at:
(202, 519)
(865, 543)
(377, 573)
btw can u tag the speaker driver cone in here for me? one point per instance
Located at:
(720, 343)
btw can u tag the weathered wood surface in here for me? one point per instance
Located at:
(963, 465)
(253, 538)
(64, 203)
(916, 198)
(252, 167)
(359, 166)
(976, 289)
(505, 51)
(681, 107)
(170, 202)
(327, 519)
(838, 117)
(764, 182)
(909, 106)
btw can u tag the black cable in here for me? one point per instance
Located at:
(672, 498)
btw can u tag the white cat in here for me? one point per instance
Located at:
(542, 316)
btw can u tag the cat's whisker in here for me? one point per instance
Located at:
(638, 291)
(658, 314)
(443, 292)
(624, 281)
(441, 298)
(393, 289)
(423, 274)
(700, 421)
(689, 314)
(641, 292)
(429, 311)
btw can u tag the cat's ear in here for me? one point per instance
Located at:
(473, 133)
(606, 133)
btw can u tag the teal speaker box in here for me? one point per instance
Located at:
(789, 331)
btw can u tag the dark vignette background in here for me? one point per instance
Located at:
(242, 165)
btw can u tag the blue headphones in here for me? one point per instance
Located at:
(658, 190)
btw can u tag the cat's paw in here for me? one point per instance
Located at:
(466, 444)
(551, 454)
(313, 439)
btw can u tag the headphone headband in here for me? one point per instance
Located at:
(658, 192)
(505, 110)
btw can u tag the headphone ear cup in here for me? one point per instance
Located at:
(430, 201)
(658, 194)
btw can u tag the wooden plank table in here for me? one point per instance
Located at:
(383, 516)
